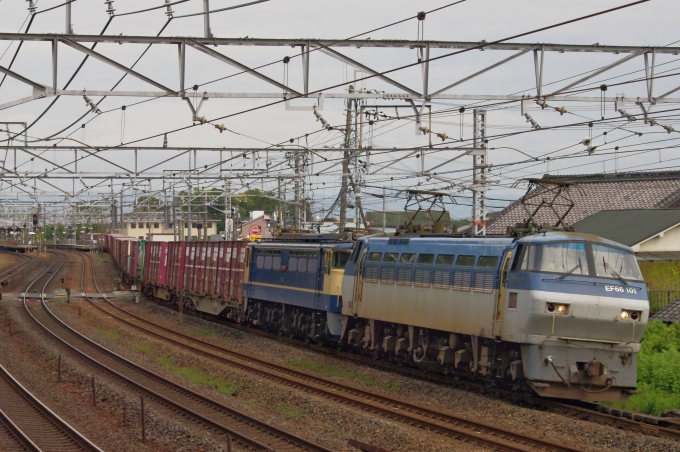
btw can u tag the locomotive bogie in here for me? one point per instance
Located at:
(211, 305)
(301, 323)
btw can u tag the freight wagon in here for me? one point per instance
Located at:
(205, 276)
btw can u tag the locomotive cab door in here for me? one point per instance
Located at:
(359, 282)
(502, 293)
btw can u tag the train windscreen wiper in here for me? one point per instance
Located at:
(572, 270)
(614, 272)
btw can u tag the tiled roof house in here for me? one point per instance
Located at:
(670, 313)
(593, 193)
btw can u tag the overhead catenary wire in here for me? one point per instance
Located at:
(469, 49)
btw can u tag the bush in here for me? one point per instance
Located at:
(658, 370)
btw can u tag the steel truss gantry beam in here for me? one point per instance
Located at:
(226, 155)
(330, 48)
(359, 43)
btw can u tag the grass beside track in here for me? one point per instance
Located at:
(195, 375)
(109, 334)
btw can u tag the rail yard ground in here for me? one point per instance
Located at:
(8, 260)
(113, 422)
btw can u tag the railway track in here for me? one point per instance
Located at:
(246, 431)
(34, 426)
(31, 425)
(6, 276)
(435, 421)
(591, 412)
(586, 411)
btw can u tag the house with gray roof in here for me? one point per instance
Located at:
(654, 234)
(670, 313)
(593, 193)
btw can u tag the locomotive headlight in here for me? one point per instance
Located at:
(554, 308)
(624, 315)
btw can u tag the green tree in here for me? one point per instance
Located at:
(147, 204)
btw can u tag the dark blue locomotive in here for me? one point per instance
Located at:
(294, 287)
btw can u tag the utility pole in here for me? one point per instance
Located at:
(384, 209)
(236, 216)
(279, 217)
(345, 168)
(174, 217)
(148, 211)
(228, 231)
(113, 209)
(121, 206)
(298, 200)
(189, 200)
(479, 171)
(189, 212)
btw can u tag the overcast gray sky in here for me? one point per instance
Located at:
(649, 24)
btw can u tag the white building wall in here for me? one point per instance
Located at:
(666, 241)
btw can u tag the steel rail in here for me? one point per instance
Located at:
(27, 261)
(243, 428)
(15, 434)
(40, 428)
(632, 422)
(405, 412)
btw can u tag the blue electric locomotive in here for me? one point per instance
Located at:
(560, 312)
(294, 287)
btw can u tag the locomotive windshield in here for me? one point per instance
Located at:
(559, 257)
(612, 263)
